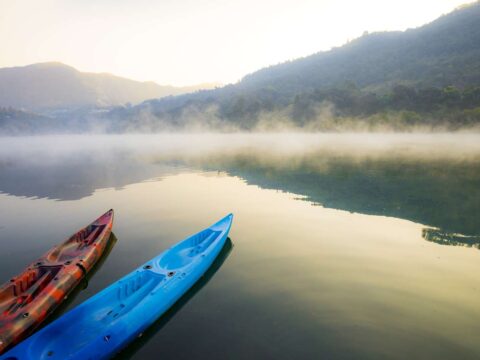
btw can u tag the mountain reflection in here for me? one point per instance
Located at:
(75, 178)
(444, 238)
(439, 193)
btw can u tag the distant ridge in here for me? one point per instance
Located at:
(54, 85)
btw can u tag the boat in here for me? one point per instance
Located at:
(107, 322)
(27, 299)
(133, 348)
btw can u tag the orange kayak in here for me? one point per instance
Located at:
(28, 298)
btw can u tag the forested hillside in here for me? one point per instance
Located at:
(428, 76)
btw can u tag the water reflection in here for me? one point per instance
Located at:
(133, 348)
(444, 238)
(75, 177)
(430, 182)
(443, 194)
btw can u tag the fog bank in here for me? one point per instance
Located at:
(59, 147)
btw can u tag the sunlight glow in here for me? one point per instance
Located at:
(193, 41)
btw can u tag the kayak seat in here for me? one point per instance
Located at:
(185, 252)
(25, 288)
(77, 242)
(131, 293)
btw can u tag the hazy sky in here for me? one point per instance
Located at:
(184, 42)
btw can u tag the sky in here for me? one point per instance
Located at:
(186, 42)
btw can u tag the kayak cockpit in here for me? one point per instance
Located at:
(184, 253)
(24, 288)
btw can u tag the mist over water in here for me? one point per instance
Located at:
(421, 145)
(405, 175)
(328, 229)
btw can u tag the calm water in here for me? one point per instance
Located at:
(343, 246)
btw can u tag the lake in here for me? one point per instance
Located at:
(342, 246)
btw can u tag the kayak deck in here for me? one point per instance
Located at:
(104, 324)
(28, 298)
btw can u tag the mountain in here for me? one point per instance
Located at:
(442, 53)
(423, 77)
(428, 76)
(55, 85)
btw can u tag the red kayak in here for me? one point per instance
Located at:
(28, 298)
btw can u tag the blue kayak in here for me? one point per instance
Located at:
(104, 324)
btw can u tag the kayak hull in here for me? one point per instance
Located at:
(104, 324)
(31, 296)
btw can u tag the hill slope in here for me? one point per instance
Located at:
(444, 52)
(55, 85)
(431, 72)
